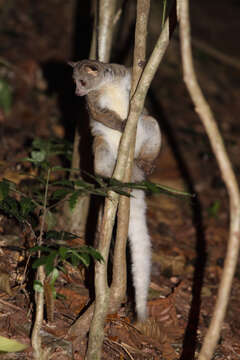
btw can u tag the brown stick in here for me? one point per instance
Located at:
(207, 118)
(119, 283)
(39, 296)
(119, 279)
(140, 42)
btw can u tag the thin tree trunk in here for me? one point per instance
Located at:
(107, 10)
(207, 118)
(119, 283)
(102, 291)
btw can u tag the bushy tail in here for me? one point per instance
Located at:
(140, 245)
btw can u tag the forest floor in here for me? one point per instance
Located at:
(189, 234)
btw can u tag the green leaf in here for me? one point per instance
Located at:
(98, 192)
(5, 96)
(91, 251)
(38, 156)
(54, 275)
(52, 234)
(83, 184)
(40, 261)
(158, 188)
(11, 184)
(172, 191)
(39, 248)
(115, 182)
(61, 268)
(60, 296)
(213, 210)
(60, 235)
(10, 345)
(73, 199)
(50, 219)
(53, 147)
(37, 286)
(11, 207)
(63, 251)
(27, 206)
(60, 194)
(47, 261)
(4, 190)
(39, 143)
(84, 258)
(74, 260)
(54, 293)
(49, 266)
(60, 168)
(164, 12)
(121, 192)
(84, 253)
(67, 183)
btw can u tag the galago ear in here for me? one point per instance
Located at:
(71, 63)
(92, 70)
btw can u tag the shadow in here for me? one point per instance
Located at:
(190, 337)
(82, 31)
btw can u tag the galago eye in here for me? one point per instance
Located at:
(82, 83)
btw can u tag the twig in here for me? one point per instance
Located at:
(117, 16)
(75, 155)
(36, 338)
(121, 345)
(207, 118)
(12, 306)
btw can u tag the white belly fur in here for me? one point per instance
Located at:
(112, 137)
(116, 98)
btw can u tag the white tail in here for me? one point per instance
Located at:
(140, 245)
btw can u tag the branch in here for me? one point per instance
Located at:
(93, 48)
(139, 55)
(106, 22)
(102, 291)
(119, 283)
(39, 296)
(207, 118)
